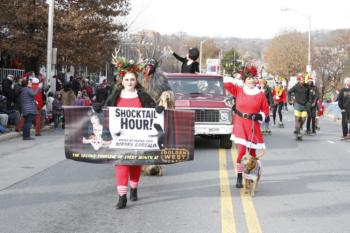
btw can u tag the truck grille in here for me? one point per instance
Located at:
(203, 115)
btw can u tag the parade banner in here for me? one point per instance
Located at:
(131, 136)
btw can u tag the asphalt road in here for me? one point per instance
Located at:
(304, 188)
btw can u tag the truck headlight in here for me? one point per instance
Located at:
(224, 116)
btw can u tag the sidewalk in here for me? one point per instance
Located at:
(20, 160)
(14, 134)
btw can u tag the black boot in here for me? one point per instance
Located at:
(122, 202)
(239, 181)
(133, 194)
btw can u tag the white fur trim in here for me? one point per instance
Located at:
(251, 91)
(263, 116)
(128, 94)
(228, 80)
(246, 143)
(35, 80)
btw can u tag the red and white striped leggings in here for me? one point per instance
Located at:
(122, 174)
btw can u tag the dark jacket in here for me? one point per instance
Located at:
(8, 91)
(145, 99)
(269, 97)
(3, 104)
(344, 99)
(301, 94)
(28, 100)
(314, 96)
(192, 68)
(57, 106)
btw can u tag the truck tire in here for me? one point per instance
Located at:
(225, 141)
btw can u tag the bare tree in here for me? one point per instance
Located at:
(330, 63)
(286, 54)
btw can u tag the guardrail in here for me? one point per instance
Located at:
(4, 72)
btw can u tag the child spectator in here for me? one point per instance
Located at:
(57, 110)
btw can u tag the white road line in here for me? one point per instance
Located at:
(331, 142)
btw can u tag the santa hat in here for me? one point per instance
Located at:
(249, 71)
(35, 80)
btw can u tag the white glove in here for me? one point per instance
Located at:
(170, 50)
(40, 85)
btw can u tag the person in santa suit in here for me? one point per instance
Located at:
(128, 92)
(279, 99)
(40, 100)
(251, 110)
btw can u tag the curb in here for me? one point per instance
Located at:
(11, 135)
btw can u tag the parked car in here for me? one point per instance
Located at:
(204, 94)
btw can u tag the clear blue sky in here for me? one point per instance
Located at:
(243, 19)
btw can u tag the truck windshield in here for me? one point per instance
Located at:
(213, 86)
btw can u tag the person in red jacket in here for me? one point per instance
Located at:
(128, 93)
(40, 102)
(279, 99)
(251, 110)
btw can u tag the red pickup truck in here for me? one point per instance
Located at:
(205, 94)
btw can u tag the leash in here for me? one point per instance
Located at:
(253, 136)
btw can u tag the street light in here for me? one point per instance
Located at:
(308, 17)
(200, 54)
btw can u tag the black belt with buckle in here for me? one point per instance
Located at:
(250, 116)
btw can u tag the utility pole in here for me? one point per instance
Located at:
(49, 79)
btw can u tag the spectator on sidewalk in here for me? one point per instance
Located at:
(79, 100)
(17, 91)
(344, 105)
(68, 97)
(11, 114)
(86, 98)
(67, 94)
(57, 110)
(29, 109)
(3, 116)
(49, 101)
(40, 101)
(8, 91)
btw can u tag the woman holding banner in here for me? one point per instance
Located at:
(128, 93)
(251, 110)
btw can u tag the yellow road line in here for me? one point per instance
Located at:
(251, 217)
(227, 218)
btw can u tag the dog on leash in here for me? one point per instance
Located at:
(167, 100)
(152, 170)
(252, 173)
